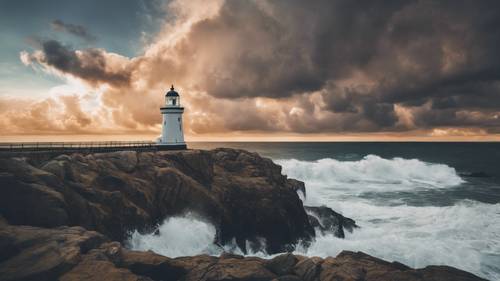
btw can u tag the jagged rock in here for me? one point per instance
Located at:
(22, 202)
(94, 269)
(298, 186)
(244, 195)
(237, 269)
(327, 220)
(149, 264)
(360, 266)
(31, 253)
(226, 255)
(287, 278)
(73, 253)
(445, 273)
(282, 264)
(308, 269)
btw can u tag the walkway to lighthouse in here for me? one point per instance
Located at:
(84, 147)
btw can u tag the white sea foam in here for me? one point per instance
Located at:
(372, 173)
(178, 236)
(465, 235)
(186, 235)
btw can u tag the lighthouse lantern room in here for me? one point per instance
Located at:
(172, 135)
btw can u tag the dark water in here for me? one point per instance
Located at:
(418, 203)
(477, 163)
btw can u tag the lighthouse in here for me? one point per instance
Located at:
(172, 136)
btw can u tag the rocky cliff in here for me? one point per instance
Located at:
(73, 253)
(64, 218)
(244, 195)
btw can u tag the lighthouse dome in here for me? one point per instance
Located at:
(172, 92)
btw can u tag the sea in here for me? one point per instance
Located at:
(430, 203)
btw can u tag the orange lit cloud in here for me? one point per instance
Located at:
(271, 67)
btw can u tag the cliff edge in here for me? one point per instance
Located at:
(244, 195)
(65, 217)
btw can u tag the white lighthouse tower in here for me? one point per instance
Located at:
(172, 136)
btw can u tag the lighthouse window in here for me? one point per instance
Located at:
(173, 102)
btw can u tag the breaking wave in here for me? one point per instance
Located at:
(186, 235)
(372, 173)
(465, 235)
(177, 236)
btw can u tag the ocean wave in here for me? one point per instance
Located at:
(372, 173)
(177, 236)
(187, 235)
(465, 235)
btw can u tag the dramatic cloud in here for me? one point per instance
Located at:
(304, 67)
(92, 65)
(74, 29)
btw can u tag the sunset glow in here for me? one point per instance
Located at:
(252, 70)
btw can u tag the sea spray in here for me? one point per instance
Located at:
(177, 236)
(189, 235)
(465, 235)
(372, 173)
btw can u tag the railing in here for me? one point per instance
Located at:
(75, 146)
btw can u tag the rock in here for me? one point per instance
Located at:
(287, 278)
(73, 253)
(23, 202)
(445, 273)
(308, 269)
(151, 265)
(259, 200)
(297, 186)
(237, 269)
(226, 255)
(360, 266)
(327, 220)
(282, 264)
(242, 194)
(31, 253)
(123, 160)
(95, 269)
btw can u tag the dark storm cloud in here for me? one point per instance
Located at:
(91, 65)
(411, 53)
(74, 29)
(316, 66)
(288, 48)
(291, 47)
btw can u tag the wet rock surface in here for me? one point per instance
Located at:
(73, 253)
(326, 220)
